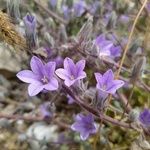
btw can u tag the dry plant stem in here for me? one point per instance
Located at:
(101, 116)
(128, 43)
(49, 12)
(33, 119)
(129, 99)
(129, 39)
(124, 101)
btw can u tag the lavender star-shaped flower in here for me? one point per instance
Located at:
(103, 45)
(144, 118)
(40, 78)
(85, 125)
(72, 72)
(106, 82)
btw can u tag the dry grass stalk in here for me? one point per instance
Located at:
(9, 35)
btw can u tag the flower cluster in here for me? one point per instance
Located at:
(42, 77)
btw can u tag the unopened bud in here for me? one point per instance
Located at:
(49, 39)
(13, 8)
(133, 115)
(138, 69)
(30, 30)
(86, 31)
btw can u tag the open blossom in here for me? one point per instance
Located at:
(144, 118)
(85, 125)
(106, 82)
(115, 51)
(72, 72)
(103, 45)
(40, 77)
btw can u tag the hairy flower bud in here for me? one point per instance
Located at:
(30, 30)
(86, 30)
(138, 69)
(49, 39)
(133, 115)
(13, 9)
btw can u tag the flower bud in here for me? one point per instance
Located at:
(13, 9)
(30, 30)
(133, 115)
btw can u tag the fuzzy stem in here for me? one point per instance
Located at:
(95, 112)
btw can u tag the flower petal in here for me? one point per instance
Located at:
(84, 135)
(52, 85)
(82, 75)
(99, 80)
(69, 82)
(62, 73)
(114, 85)
(49, 69)
(27, 76)
(36, 65)
(108, 76)
(80, 65)
(69, 66)
(35, 88)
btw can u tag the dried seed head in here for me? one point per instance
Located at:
(9, 34)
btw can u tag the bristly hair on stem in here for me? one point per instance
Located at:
(9, 35)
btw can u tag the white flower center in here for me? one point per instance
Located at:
(72, 77)
(45, 80)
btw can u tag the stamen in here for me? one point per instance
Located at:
(72, 77)
(44, 79)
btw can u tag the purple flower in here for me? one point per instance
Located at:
(144, 118)
(103, 45)
(85, 125)
(72, 72)
(106, 82)
(40, 78)
(79, 8)
(115, 51)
